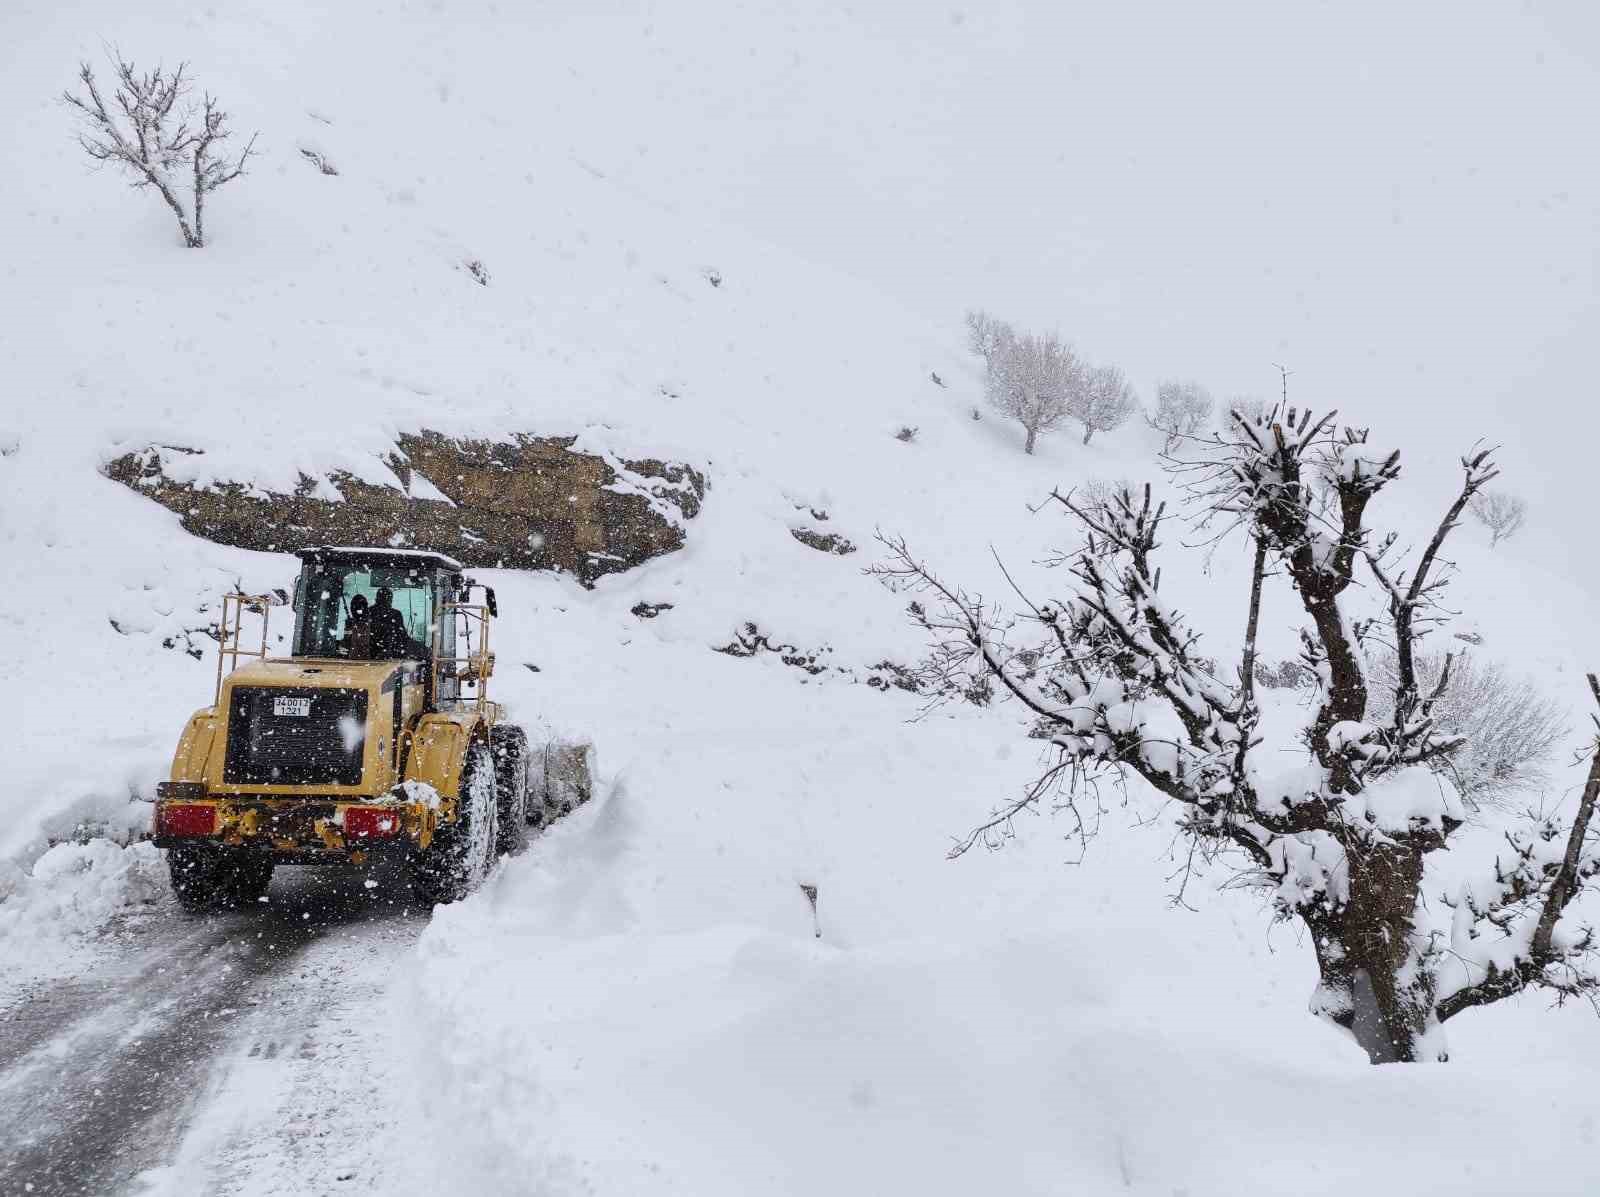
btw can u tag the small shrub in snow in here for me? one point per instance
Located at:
(906, 434)
(1287, 674)
(1501, 512)
(1510, 727)
(1183, 409)
(478, 271)
(1343, 838)
(151, 130)
(318, 160)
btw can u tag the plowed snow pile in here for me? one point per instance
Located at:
(645, 1002)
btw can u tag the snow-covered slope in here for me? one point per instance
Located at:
(643, 1002)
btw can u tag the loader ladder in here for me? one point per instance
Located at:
(230, 632)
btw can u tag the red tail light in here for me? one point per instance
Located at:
(370, 822)
(185, 818)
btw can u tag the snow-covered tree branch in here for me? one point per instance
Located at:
(150, 130)
(1113, 679)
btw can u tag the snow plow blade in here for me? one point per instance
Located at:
(561, 777)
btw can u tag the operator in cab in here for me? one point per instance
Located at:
(358, 631)
(390, 640)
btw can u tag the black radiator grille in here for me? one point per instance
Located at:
(267, 746)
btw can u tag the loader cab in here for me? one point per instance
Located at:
(403, 594)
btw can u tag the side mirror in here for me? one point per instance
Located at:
(488, 598)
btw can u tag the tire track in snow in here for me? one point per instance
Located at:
(310, 1102)
(101, 1078)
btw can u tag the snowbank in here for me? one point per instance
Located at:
(643, 1002)
(73, 892)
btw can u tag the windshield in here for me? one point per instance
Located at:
(367, 612)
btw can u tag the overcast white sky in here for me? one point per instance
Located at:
(1399, 201)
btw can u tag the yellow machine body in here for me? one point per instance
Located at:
(410, 744)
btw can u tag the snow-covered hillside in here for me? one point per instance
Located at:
(643, 1002)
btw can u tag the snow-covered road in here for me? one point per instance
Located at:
(236, 1053)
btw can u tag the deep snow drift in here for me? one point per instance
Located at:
(643, 1002)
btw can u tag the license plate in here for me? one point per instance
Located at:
(298, 707)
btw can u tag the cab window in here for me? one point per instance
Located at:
(365, 610)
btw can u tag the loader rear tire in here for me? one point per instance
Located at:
(206, 878)
(463, 852)
(511, 761)
(194, 878)
(246, 877)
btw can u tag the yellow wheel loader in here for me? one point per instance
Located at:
(373, 739)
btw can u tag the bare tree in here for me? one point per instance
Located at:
(1253, 408)
(1183, 409)
(1500, 511)
(1103, 400)
(1098, 493)
(152, 131)
(1510, 728)
(1029, 377)
(987, 336)
(1113, 680)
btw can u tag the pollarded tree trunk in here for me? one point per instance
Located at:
(1371, 982)
(1033, 435)
(1088, 431)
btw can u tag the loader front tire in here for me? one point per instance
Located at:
(463, 851)
(511, 760)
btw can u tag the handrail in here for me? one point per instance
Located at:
(468, 668)
(231, 625)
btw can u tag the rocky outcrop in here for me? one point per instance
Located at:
(823, 542)
(524, 503)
